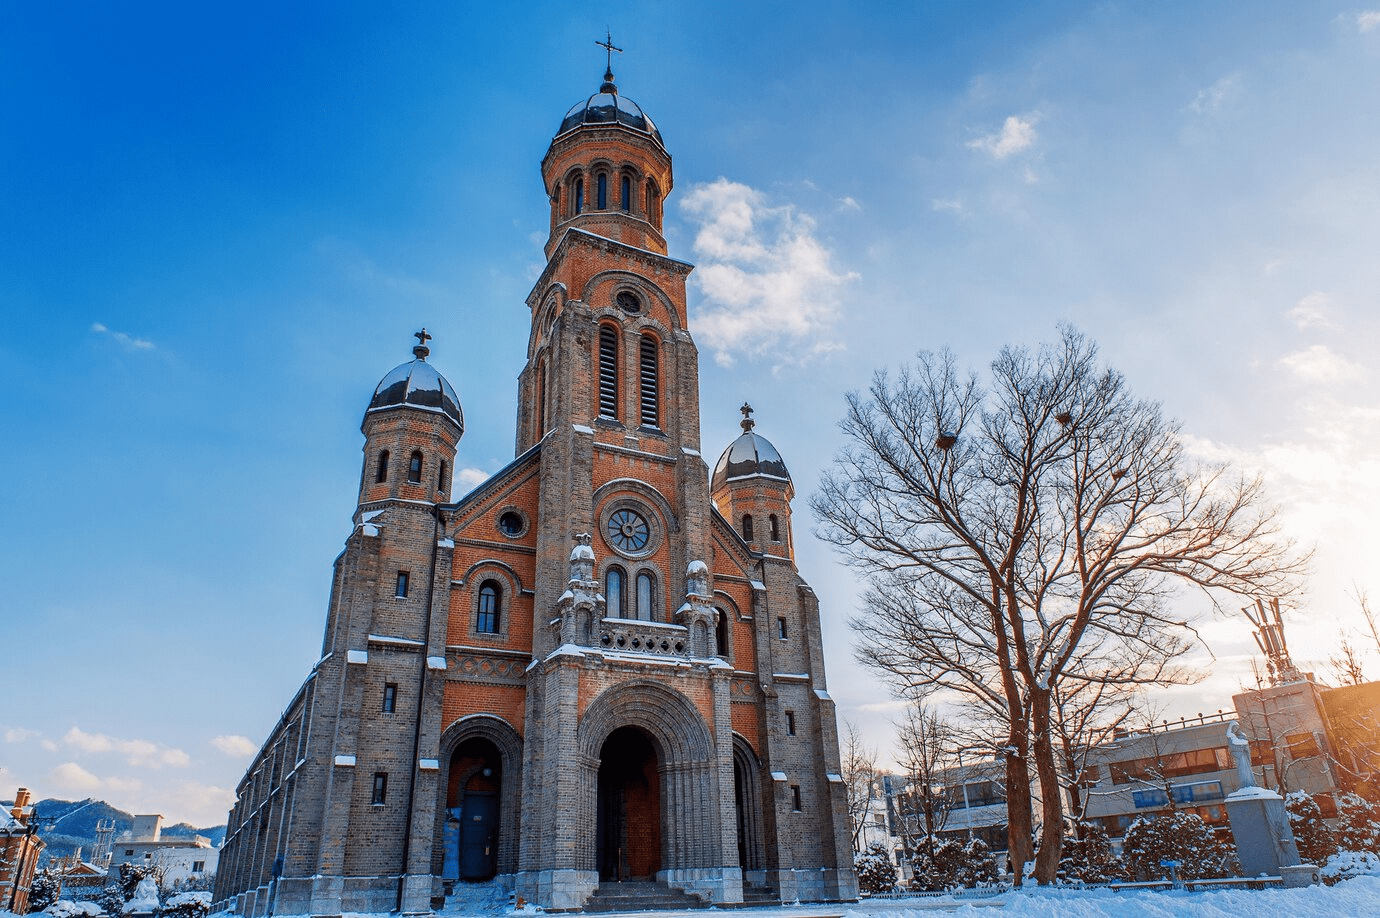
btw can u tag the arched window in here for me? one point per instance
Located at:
(608, 371)
(382, 474)
(614, 593)
(441, 483)
(603, 199)
(414, 467)
(720, 633)
(625, 194)
(775, 528)
(648, 376)
(579, 196)
(541, 399)
(747, 527)
(490, 607)
(653, 203)
(646, 590)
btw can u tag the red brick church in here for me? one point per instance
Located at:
(599, 668)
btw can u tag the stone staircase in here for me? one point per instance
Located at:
(640, 896)
(760, 895)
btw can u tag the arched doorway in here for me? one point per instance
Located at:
(628, 832)
(747, 802)
(472, 808)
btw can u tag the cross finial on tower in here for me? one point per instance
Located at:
(421, 350)
(747, 422)
(609, 47)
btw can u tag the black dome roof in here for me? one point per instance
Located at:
(608, 107)
(750, 456)
(417, 384)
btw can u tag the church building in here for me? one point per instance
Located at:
(598, 671)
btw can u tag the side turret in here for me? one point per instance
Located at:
(753, 490)
(411, 429)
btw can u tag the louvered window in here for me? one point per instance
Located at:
(651, 414)
(608, 372)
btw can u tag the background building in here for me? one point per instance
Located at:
(20, 847)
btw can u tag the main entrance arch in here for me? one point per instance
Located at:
(653, 782)
(628, 820)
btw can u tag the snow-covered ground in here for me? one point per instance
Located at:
(1356, 898)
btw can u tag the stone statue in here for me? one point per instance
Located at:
(1240, 749)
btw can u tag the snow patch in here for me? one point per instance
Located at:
(346, 761)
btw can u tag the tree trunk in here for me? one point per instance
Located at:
(1019, 814)
(1051, 803)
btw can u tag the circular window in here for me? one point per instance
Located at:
(628, 302)
(511, 523)
(628, 530)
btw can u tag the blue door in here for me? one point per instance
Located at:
(478, 836)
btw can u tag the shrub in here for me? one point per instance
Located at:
(1181, 837)
(954, 865)
(1314, 839)
(1359, 827)
(875, 871)
(1088, 858)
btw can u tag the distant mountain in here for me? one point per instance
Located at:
(67, 825)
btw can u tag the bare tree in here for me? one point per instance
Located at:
(859, 779)
(1363, 600)
(927, 746)
(1346, 665)
(1086, 714)
(1030, 535)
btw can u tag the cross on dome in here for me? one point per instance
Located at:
(747, 422)
(421, 350)
(609, 47)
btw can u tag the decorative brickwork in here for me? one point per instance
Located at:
(587, 674)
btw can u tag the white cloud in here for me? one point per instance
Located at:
(1017, 133)
(769, 285)
(142, 753)
(235, 745)
(955, 205)
(1309, 312)
(1367, 20)
(1319, 364)
(1210, 101)
(20, 735)
(849, 204)
(129, 342)
(467, 479)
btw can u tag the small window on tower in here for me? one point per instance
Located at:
(414, 467)
(775, 528)
(625, 195)
(441, 482)
(781, 628)
(628, 302)
(747, 527)
(390, 697)
(381, 474)
(795, 797)
(381, 788)
(401, 591)
(790, 723)
(614, 600)
(603, 201)
(579, 196)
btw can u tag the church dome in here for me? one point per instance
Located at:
(608, 107)
(749, 456)
(417, 384)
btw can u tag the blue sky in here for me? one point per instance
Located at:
(221, 223)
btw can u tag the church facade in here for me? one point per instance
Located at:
(600, 665)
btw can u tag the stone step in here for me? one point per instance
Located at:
(640, 895)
